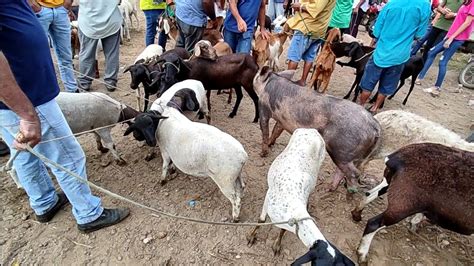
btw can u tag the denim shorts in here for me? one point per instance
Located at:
(303, 47)
(388, 77)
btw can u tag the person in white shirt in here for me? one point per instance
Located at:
(358, 12)
(99, 20)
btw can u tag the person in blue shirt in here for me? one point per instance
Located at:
(29, 113)
(398, 24)
(191, 17)
(239, 24)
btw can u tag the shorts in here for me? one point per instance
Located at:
(387, 77)
(303, 47)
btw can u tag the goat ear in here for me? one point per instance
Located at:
(192, 103)
(166, 26)
(197, 50)
(130, 129)
(265, 73)
(353, 48)
(127, 69)
(182, 64)
(288, 74)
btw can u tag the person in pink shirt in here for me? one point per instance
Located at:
(459, 32)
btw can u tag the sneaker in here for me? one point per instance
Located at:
(81, 87)
(4, 150)
(107, 218)
(435, 93)
(62, 201)
(418, 81)
(430, 89)
(110, 87)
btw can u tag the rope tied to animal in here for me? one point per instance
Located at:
(367, 54)
(291, 222)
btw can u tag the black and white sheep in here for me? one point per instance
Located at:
(291, 179)
(426, 178)
(195, 149)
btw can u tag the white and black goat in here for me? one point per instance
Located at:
(291, 178)
(195, 149)
(427, 178)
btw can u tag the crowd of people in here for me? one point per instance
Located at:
(28, 84)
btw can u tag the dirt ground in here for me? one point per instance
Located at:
(25, 241)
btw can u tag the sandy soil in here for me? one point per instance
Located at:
(25, 241)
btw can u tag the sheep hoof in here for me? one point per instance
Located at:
(251, 239)
(103, 150)
(231, 115)
(121, 162)
(276, 250)
(356, 215)
(150, 156)
(105, 164)
(255, 120)
(163, 182)
(264, 154)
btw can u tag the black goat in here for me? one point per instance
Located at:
(148, 73)
(360, 56)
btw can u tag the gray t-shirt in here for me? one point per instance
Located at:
(99, 18)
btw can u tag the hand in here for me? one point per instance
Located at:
(35, 6)
(447, 43)
(29, 133)
(449, 15)
(355, 10)
(296, 6)
(265, 34)
(67, 4)
(241, 25)
(285, 4)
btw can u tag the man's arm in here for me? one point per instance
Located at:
(13, 97)
(241, 25)
(261, 20)
(208, 6)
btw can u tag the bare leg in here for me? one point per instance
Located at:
(378, 102)
(306, 68)
(364, 96)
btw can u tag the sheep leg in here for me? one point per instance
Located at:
(352, 174)
(165, 168)
(238, 92)
(219, 92)
(96, 63)
(138, 92)
(276, 247)
(413, 79)
(314, 77)
(208, 96)
(109, 143)
(147, 96)
(356, 82)
(229, 100)
(233, 192)
(205, 111)
(325, 83)
(394, 214)
(370, 196)
(336, 180)
(418, 218)
(264, 127)
(252, 237)
(276, 132)
(100, 147)
(254, 97)
(358, 90)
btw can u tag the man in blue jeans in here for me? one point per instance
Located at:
(53, 16)
(398, 24)
(152, 10)
(239, 25)
(29, 113)
(191, 16)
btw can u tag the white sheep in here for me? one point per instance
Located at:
(86, 111)
(189, 90)
(151, 51)
(399, 129)
(291, 178)
(128, 8)
(195, 149)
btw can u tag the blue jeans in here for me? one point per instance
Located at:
(419, 43)
(275, 9)
(152, 17)
(239, 42)
(443, 61)
(33, 174)
(303, 47)
(387, 77)
(55, 22)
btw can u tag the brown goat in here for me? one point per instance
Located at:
(325, 63)
(350, 132)
(269, 50)
(427, 178)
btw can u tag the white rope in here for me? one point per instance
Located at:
(290, 222)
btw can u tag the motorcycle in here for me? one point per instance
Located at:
(466, 77)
